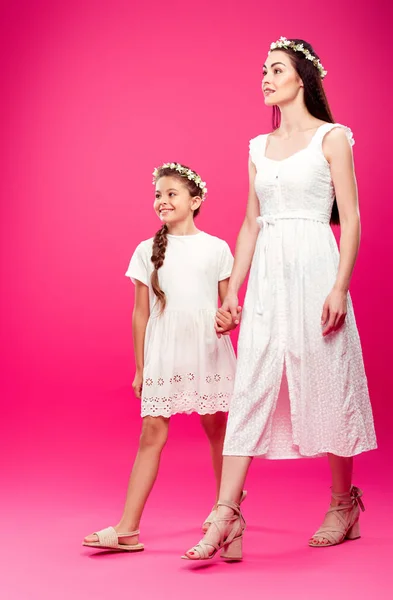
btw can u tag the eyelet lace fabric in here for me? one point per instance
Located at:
(187, 368)
(296, 393)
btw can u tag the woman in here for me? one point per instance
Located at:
(298, 326)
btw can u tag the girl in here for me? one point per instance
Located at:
(298, 318)
(181, 365)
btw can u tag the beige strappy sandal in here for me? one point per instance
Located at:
(347, 514)
(231, 544)
(213, 513)
(108, 539)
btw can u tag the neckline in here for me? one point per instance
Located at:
(295, 153)
(190, 235)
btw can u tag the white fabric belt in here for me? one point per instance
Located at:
(265, 222)
(295, 214)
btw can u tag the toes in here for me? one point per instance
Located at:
(91, 538)
(319, 541)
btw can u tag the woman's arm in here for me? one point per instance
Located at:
(245, 246)
(339, 155)
(140, 317)
(224, 323)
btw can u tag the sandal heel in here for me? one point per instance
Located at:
(354, 532)
(234, 550)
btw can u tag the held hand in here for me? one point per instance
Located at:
(137, 384)
(228, 316)
(231, 305)
(224, 322)
(334, 311)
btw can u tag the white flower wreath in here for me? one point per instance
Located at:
(184, 172)
(287, 44)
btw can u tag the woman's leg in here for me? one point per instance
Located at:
(341, 468)
(143, 475)
(214, 427)
(234, 472)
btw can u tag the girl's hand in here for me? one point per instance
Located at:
(334, 311)
(224, 323)
(231, 306)
(137, 383)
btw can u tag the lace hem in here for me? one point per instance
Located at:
(185, 402)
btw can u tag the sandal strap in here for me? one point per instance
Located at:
(110, 538)
(352, 497)
(213, 513)
(107, 537)
(330, 534)
(129, 534)
(229, 504)
(203, 549)
(349, 501)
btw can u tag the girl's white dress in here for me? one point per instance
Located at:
(187, 368)
(293, 270)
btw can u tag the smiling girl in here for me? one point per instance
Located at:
(180, 364)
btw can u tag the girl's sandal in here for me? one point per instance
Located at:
(108, 539)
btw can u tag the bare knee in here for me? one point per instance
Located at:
(154, 433)
(214, 426)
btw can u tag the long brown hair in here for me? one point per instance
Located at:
(160, 241)
(314, 96)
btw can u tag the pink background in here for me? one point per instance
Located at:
(96, 94)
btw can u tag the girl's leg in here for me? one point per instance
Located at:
(214, 427)
(143, 475)
(341, 468)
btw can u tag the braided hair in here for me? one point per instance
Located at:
(314, 96)
(160, 241)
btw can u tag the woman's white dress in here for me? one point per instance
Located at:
(293, 270)
(187, 368)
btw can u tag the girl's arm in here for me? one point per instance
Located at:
(245, 247)
(339, 155)
(223, 289)
(140, 317)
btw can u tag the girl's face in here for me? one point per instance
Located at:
(173, 202)
(281, 83)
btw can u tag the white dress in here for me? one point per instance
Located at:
(293, 270)
(186, 367)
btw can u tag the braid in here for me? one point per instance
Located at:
(160, 243)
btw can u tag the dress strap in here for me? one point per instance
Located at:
(257, 148)
(324, 129)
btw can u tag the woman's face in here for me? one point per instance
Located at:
(281, 83)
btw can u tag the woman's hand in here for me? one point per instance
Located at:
(334, 311)
(137, 383)
(224, 322)
(228, 316)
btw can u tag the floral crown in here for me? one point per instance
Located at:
(288, 45)
(183, 172)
